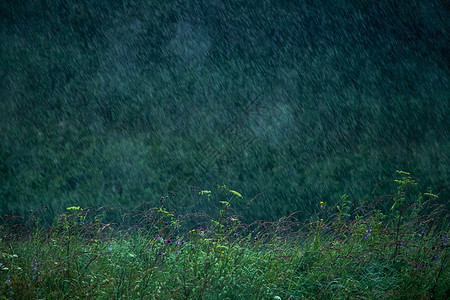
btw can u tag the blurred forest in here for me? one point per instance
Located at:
(287, 102)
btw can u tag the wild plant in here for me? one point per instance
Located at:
(341, 252)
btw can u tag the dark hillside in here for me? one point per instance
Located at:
(122, 102)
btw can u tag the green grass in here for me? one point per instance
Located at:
(339, 253)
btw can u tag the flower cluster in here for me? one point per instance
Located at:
(368, 233)
(35, 264)
(444, 240)
(436, 256)
(74, 208)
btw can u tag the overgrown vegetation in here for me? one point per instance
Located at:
(341, 252)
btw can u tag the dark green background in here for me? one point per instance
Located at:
(122, 102)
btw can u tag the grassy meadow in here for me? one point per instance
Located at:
(342, 252)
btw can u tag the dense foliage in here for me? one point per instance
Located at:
(294, 102)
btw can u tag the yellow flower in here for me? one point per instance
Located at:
(233, 219)
(74, 208)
